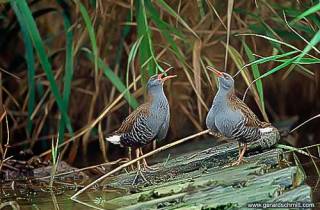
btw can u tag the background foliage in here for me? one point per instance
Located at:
(73, 70)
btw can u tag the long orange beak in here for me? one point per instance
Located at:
(167, 77)
(215, 71)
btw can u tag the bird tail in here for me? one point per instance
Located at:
(115, 139)
(266, 130)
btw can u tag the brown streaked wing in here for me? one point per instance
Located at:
(129, 121)
(252, 119)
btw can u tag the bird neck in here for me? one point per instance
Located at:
(157, 98)
(223, 96)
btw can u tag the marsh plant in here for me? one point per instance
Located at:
(72, 70)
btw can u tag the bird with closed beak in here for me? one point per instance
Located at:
(150, 121)
(231, 117)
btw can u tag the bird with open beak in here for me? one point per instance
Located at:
(150, 121)
(231, 117)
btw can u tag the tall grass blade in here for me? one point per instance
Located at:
(294, 149)
(29, 56)
(146, 49)
(69, 63)
(238, 60)
(269, 58)
(92, 36)
(131, 57)
(167, 8)
(297, 33)
(309, 11)
(55, 159)
(305, 122)
(272, 71)
(115, 80)
(166, 30)
(229, 16)
(298, 163)
(102, 143)
(196, 55)
(256, 74)
(271, 39)
(314, 41)
(24, 15)
(216, 13)
(124, 33)
(314, 163)
(201, 8)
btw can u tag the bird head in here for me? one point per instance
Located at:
(158, 80)
(226, 81)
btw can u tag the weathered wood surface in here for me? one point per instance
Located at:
(212, 157)
(205, 180)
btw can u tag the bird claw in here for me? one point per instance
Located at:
(147, 167)
(139, 172)
(150, 168)
(238, 162)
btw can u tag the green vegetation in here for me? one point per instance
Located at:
(63, 63)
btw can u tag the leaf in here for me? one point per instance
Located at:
(146, 50)
(270, 39)
(91, 33)
(269, 58)
(309, 11)
(24, 15)
(303, 61)
(131, 56)
(166, 7)
(69, 63)
(165, 30)
(201, 8)
(314, 41)
(119, 53)
(115, 80)
(277, 68)
(229, 16)
(293, 149)
(256, 74)
(314, 163)
(29, 56)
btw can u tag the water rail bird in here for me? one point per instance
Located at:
(231, 117)
(150, 121)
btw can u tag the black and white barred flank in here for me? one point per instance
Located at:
(246, 134)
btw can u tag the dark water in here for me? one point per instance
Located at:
(47, 200)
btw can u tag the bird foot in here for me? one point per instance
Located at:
(147, 167)
(139, 173)
(150, 168)
(238, 162)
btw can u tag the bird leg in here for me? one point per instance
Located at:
(241, 154)
(130, 157)
(154, 144)
(146, 165)
(139, 172)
